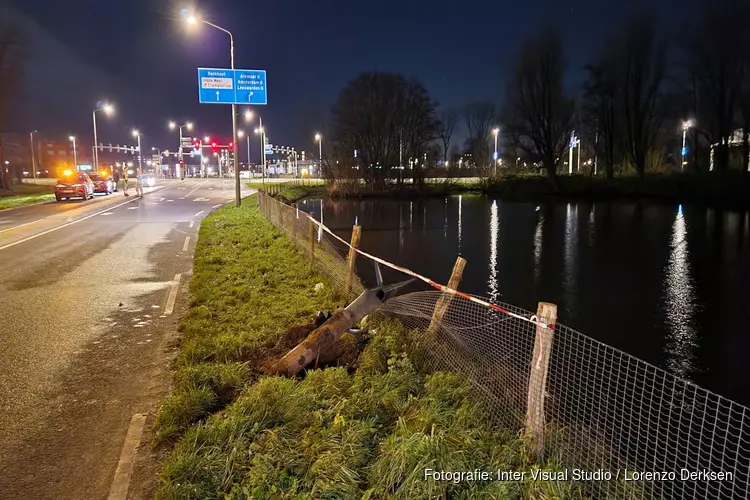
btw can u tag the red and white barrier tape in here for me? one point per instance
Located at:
(442, 288)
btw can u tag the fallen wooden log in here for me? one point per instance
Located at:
(321, 341)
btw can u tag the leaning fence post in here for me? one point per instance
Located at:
(356, 233)
(441, 306)
(546, 315)
(311, 238)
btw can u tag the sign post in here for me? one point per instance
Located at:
(230, 86)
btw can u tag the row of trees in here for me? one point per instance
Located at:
(639, 90)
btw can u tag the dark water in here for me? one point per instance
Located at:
(668, 284)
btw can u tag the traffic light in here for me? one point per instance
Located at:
(231, 146)
(214, 147)
(197, 144)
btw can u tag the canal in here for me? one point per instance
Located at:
(666, 283)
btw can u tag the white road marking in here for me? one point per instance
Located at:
(187, 243)
(216, 206)
(107, 213)
(173, 294)
(133, 208)
(21, 225)
(169, 201)
(121, 482)
(201, 199)
(197, 187)
(196, 215)
(24, 240)
(162, 199)
(191, 223)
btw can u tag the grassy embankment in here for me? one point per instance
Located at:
(25, 194)
(731, 189)
(368, 431)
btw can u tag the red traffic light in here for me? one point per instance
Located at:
(214, 147)
(231, 146)
(197, 144)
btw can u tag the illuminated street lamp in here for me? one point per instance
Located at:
(72, 138)
(137, 135)
(683, 152)
(495, 132)
(108, 110)
(319, 138)
(262, 132)
(193, 19)
(248, 119)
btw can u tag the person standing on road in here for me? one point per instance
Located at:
(125, 181)
(139, 182)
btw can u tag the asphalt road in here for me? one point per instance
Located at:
(90, 294)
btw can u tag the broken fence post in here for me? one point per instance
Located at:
(546, 315)
(356, 234)
(441, 306)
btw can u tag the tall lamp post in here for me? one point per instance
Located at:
(495, 132)
(108, 110)
(137, 135)
(237, 194)
(319, 138)
(172, 126)
(248, 119)
(262, 132)
(683, 152)
(72, 139)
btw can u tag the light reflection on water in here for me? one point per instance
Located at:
(538, 234)
(494, 292)
(679, 307)
(570, 282)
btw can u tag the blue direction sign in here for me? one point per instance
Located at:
(226, 86)
(250, 85)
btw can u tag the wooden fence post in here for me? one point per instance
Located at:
(441, 306)
(547, 314)
(311, 238)
(356, 234)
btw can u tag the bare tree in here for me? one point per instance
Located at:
(11, 50)
(479, 118)
(383, 116)
(538, 111)
(640, 60)
(448, 122)
(715, 46)
(600, 98)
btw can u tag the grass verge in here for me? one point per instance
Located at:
(336, 433)
(25, 194)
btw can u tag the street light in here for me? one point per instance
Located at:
(319, 138)
(108, 110)
(172, 126)
(495, 132)
(262, 132)
(248, 119)
(137, 135)
(683, 152)
(192, 19)
(72, 138)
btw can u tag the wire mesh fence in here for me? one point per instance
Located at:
(624, 427)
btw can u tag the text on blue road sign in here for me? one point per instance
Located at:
(226, 86)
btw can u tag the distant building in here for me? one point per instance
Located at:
(50, 155)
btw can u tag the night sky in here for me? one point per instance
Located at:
(141, 56)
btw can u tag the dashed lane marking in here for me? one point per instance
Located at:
(121, 482)
(172, 294)
(107, 213)
(196, 215)
(191, 223)
(187, 243)
(216, 206)
(133, 208)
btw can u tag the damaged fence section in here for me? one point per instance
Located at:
(623, 427)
